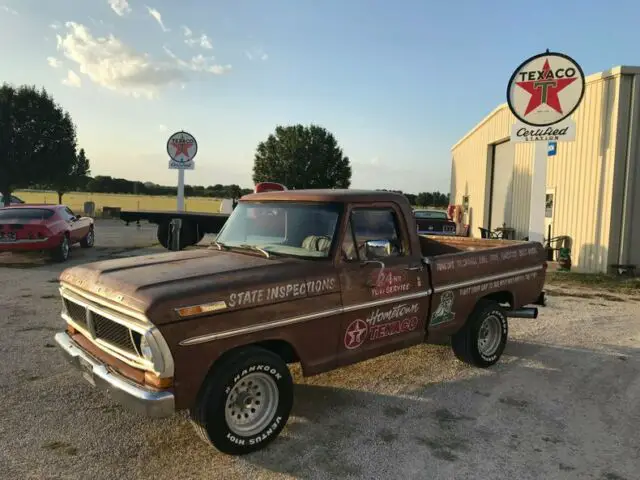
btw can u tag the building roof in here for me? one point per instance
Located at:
(613, 72)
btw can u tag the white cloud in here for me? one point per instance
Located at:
(55, 26)
(199, 63)
(110, 63)
(256, 54)
(203, 41)
(187, 31)
(8, 10)
(121, 7)
(54, 62)
(72, 80)
(156, 14)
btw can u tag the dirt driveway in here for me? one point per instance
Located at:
(563, 403)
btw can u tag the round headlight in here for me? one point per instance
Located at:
(145, 348)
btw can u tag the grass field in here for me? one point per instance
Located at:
(76, 200)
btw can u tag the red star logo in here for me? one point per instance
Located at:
(545, 89)
(182, 148)
(356, 334)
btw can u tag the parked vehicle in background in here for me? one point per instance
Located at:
(51, 228)
(195, 225)
(326, 278)
(14, 200)
(434, 222)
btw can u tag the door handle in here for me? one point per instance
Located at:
(414, 268)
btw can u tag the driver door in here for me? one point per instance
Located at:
(384, 285)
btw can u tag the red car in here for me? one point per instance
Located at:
(53, 228)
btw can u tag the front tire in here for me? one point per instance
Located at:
(245, 402)
(89, 239)
(61, 252)
(483, 339)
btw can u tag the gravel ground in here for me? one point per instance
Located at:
(562, 403)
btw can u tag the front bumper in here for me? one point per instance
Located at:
(152, 403)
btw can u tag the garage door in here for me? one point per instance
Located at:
(502, 185)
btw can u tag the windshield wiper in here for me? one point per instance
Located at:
(220, 245)
(258, 249)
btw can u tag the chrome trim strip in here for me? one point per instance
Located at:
(301, 318)
(130, 322)
(258, 328)
(99, 301)
(385, 301)
(490, 278)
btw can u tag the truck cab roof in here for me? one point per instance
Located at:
(327, 195)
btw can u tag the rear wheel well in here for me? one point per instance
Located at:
(502, 298)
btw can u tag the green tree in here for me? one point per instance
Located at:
(72, 173)
(302, 157)
(35, 133)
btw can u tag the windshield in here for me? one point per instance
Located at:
(299, 229)
(25, 214)
(431, 214)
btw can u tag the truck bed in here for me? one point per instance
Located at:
(432, 245)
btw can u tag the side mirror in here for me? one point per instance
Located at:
(378, 248)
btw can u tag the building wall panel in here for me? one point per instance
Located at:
(581, 173)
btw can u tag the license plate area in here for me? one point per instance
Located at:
(6, 237)
(87, 371)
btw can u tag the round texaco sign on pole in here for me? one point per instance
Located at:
(545, 89)
(182, 149)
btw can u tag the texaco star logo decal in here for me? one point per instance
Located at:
(545, 89)
(356, 334)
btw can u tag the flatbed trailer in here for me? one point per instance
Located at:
(194, 225)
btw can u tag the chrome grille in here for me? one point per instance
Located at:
(77, 312)
(118, 337)
(114, 333)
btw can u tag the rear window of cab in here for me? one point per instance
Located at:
(25, 214)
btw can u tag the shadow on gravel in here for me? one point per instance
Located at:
(546, 402)
(542, 412)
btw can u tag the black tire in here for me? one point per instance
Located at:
(163, 234)
(89, 239)
(62, 251)
(466, 343)
(209, 414)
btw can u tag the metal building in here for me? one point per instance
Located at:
(593, 183)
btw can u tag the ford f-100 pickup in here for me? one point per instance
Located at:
(325, 278)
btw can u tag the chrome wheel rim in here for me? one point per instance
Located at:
(251, 404)
(490, 335)
(65, 247)
(90, 237)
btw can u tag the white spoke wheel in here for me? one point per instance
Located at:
(483, 338)
(245, 401)
(251, 404)
(489, 335)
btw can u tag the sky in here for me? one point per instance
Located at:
(397, 83)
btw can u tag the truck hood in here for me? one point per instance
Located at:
(183, 278)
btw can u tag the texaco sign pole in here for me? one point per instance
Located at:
(542, 94)
(182, 148)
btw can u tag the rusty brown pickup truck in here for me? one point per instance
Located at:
(326, 278)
